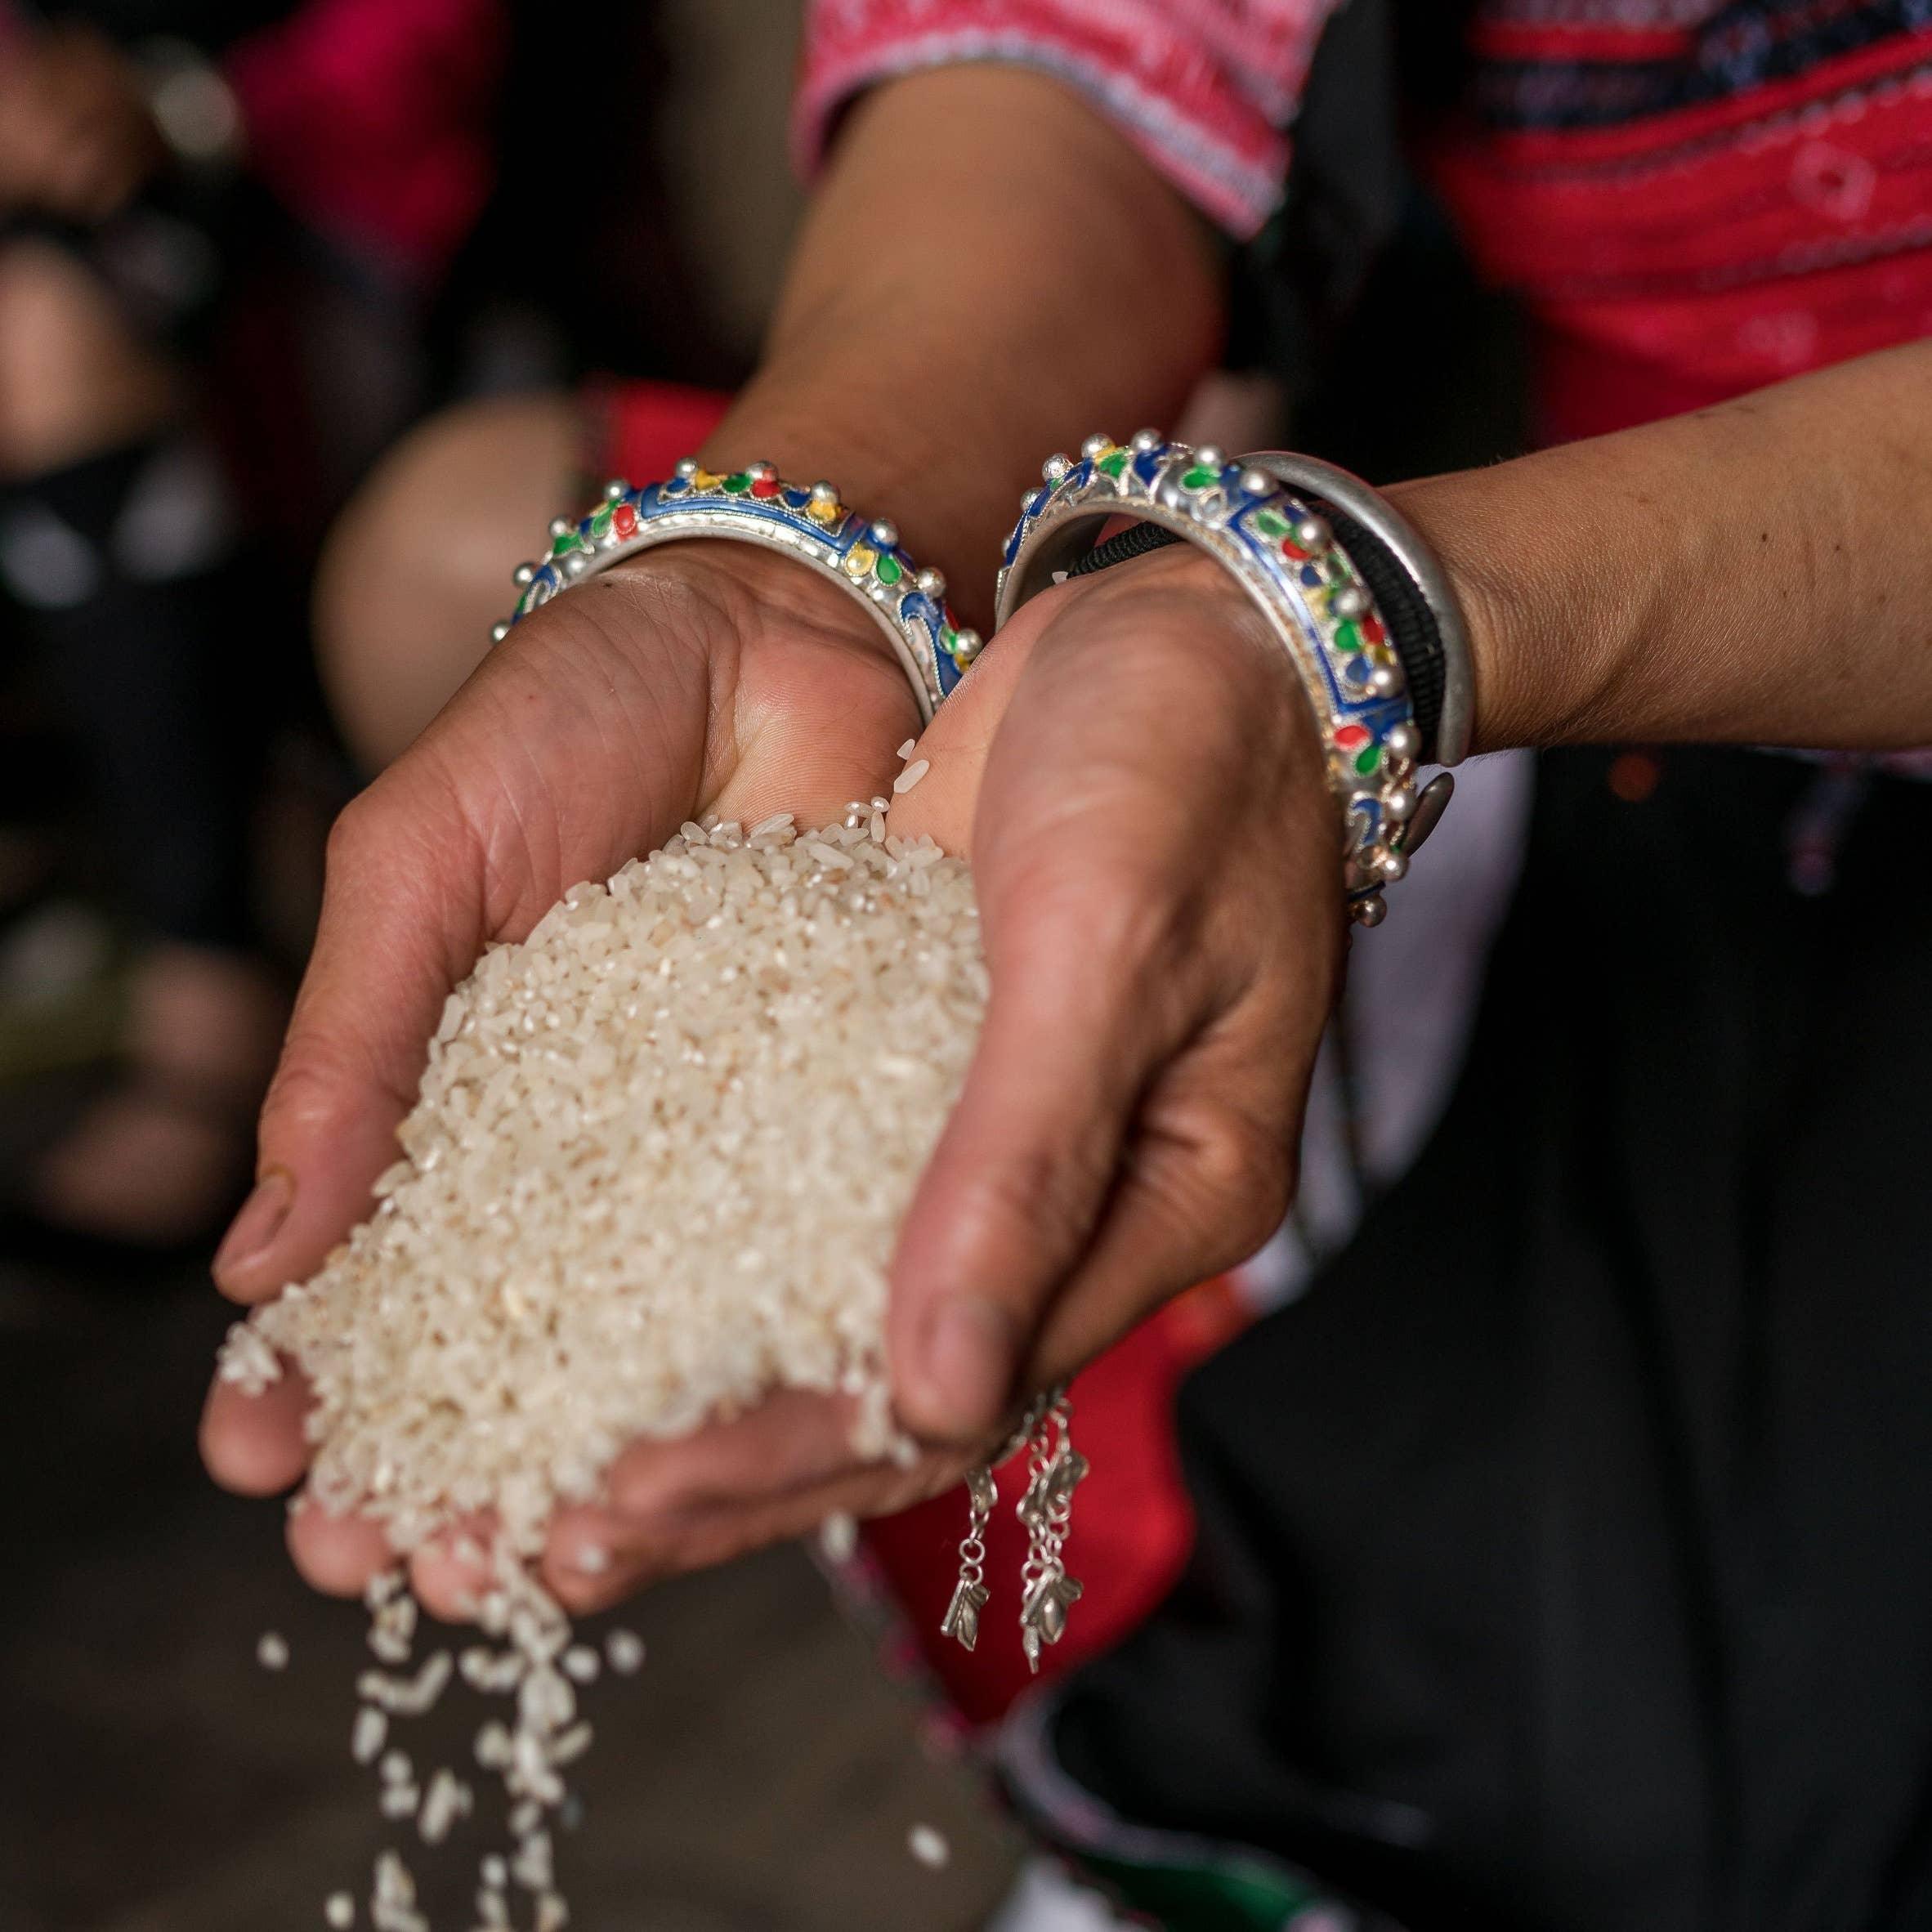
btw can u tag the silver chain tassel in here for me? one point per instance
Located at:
(961, 1620)
(1054, 1468)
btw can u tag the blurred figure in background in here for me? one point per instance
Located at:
(154, 423)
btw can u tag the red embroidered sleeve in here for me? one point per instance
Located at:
(1204, 89)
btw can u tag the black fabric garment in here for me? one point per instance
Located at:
(209, 25)
(1565, 1558)
(153, 683)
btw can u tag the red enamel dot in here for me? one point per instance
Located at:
(1352, 737)
(1373, 629)
(1290, 547)
(764, 486)
(623, 520)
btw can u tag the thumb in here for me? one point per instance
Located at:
(401, 922)
(1020, 1177)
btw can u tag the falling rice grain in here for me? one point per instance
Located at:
(675, 1070)
(272, 1651)
(366, 1739)
(912, 774)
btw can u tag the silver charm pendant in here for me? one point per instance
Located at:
(1055, 1469)
(961, 1620)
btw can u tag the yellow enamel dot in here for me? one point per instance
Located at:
(859, 559)
(704, 479)
(825, 512)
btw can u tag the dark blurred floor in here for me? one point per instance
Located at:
(760, 1772)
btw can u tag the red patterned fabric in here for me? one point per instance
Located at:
(1205, 88)
(1693, 197)
(1727, 239)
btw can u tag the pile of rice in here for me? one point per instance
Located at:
(661, 1155)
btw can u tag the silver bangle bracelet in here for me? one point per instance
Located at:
(1344, 491)
(860, 554)
(1317, 603)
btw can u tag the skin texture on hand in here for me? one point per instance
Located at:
(1156, 857)
(1136, 775)
(703, 676)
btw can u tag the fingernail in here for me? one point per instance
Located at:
(970, 1360)
(258, 1223)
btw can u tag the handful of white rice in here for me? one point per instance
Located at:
(658, 1162)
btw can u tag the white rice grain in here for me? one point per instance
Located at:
(654, 1172)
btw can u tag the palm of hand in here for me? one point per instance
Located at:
(1155, 856)
(647, 697)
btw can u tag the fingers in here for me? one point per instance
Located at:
(1208, 1174)
(567, 753)
(336, 1554)
(253, 1444)
(401, 920)
(451, 1574)
(1076, 1021)
(790, 1440)
(1138, 876)
(777, 1471)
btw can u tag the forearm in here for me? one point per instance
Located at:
(1759, 573)
(988, 272)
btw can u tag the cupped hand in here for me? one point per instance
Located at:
(704, 677)
(1137, 775)
(1158, 867)
(1157, 859)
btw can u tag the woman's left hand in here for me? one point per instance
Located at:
(1157, 860)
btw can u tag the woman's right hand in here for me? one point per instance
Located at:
(700, 676)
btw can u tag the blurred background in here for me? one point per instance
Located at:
(301, 302)
(208, 333)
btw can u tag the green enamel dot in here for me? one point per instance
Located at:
(888, 570)
(600, 524)
(737, 485)
(1369, 761)
(1348, 638)
(1112, 466)
(1200, 479)
(949, 638)
(1270, 523)
(567, 541)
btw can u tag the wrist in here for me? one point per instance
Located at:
(748, 593)
(1219, 629)
(1452, 513)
